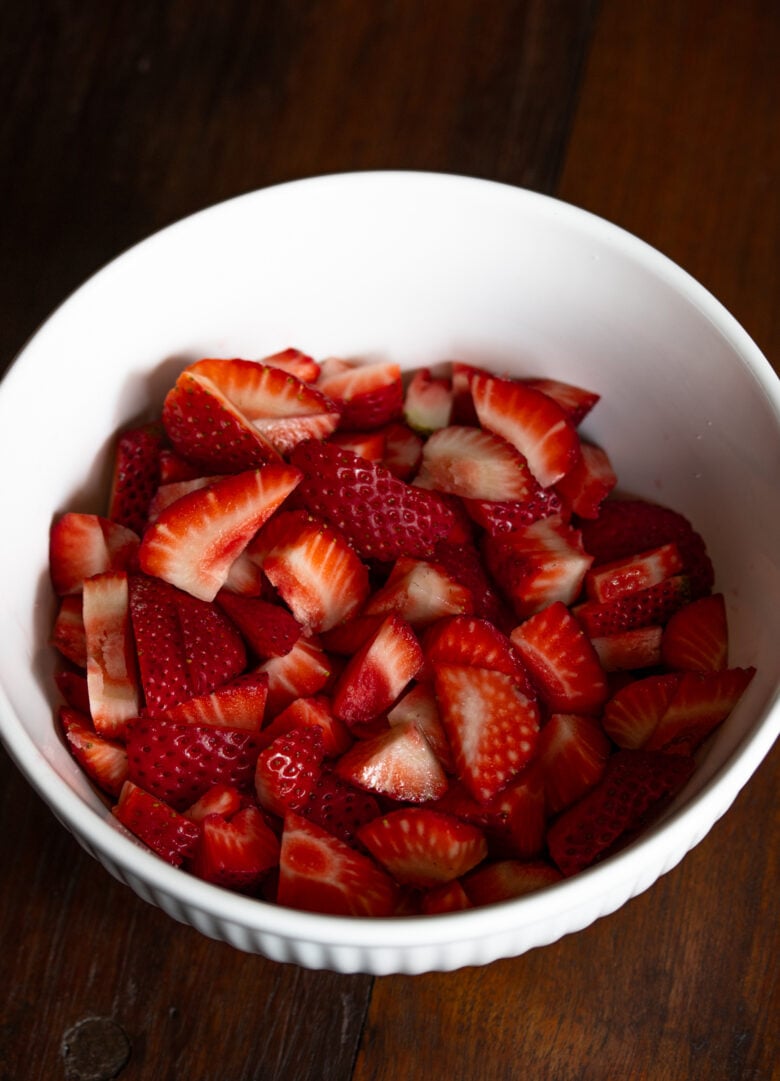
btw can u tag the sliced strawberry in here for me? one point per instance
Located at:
(375, 677)
(179, 762)
(419, 706)
(701, 702)
(352, 635)
(588, 482)
(172, 836)
(451, 897)
(632, 714)
(112, 678)
(209, 432)
(339, 807)
(306, 713)
(136, 475)
(368, 445)
(635, 786)
(268, 629)
(174, 468)
(235, 853)
(238, 704)
(398, 763)
(491, 726)
(103, 760)
(368, 395)
(302, 672)
(297, 363)
(194, 541)
(628, 651)
(287, 769)
(572, 755)
(654, 605)
(220, 799)
(83, 545)
(625, 527)
(421, 592)
(506, 879)
(423, 848)
(561, 661)
(318, 575)
(462, 560)
(497, 517)
(428, 402)
(185, 647)
(465, 640)
(696, 637)
(68, 634)
(320, 873)
(475, 464)
(73, 688)
(169, 493)
(403, 450)
(576, 402)
(529, 420)
(381, 516)
(622, 576)
(538, 565)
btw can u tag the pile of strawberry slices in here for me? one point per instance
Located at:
(370, 646)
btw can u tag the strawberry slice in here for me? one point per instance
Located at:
(318, 575)
(632, 714)
(421, 592)
(477, 643)
(625, 527)
(179, 762)
(112, 679)
(238, 704)
(428, 402)
(368, 395)
(506, 879)
(185, 647)
(419, 706)
(635, 787)
(646, 607)
(169, 493)
(220, 799)
(268, 629)
(398, 763)
(300, 673)
(68, 634)
(529, 420)
(320, 873)
(561, 661)
(381, 516)
(572, 755)
(235, 853)
(296, 362)
(629, 650)
(306, 713)
(696, 637)
(588, 482)
(339, 807)
(195, 540)
(103, 760)
(576, 402)
(287, 769)
(282, 408)
(136, 475)
(611, 580)
(497, 516)
(474, 464)
(491, 726)
(83, 545)
(403, 451)
(172, 836)
(701, 702)
(423, 848)
(378, 673)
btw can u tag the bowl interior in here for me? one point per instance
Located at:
(418, 269)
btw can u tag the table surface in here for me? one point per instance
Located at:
(122, 117)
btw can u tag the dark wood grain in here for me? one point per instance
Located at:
(120, 118)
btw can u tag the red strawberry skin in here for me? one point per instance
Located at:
(172, 836)
(136, 475)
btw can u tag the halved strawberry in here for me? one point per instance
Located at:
(296, 362)
(588, 482)
(381, 516)
(185, 647)
(318, 575)
(474, 464)
(428, 402)
(368, 395)
(339, 807)
(497, 517)
(491, 726)
(636, 572)
(403, 450)
(172, 836)
(627, 526)
(421, 592)
(575, 401)
(268, 629)
(112, 678)
(235, 853)
(318, 872)
(179, 762)
(701, 702)
(238, 704)
(635, 787)
(136, 475)
(287, 769)
(314, 711)
(572, 754)
(301, 672)
(696, 637)
(68, 634)
(83, 545)
(506, 879)
(280, 406)
(419, 705)
(630, 650)
(103, 760)
(651, 606)
(632, 714)
(398, 763)
(423, 848)
(195, 540)
(561, 661)
(529, 420)
(377, 674)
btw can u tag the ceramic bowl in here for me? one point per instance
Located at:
(416, 268)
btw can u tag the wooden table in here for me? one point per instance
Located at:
(121, 117)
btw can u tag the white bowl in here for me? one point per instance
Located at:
(415, 268)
